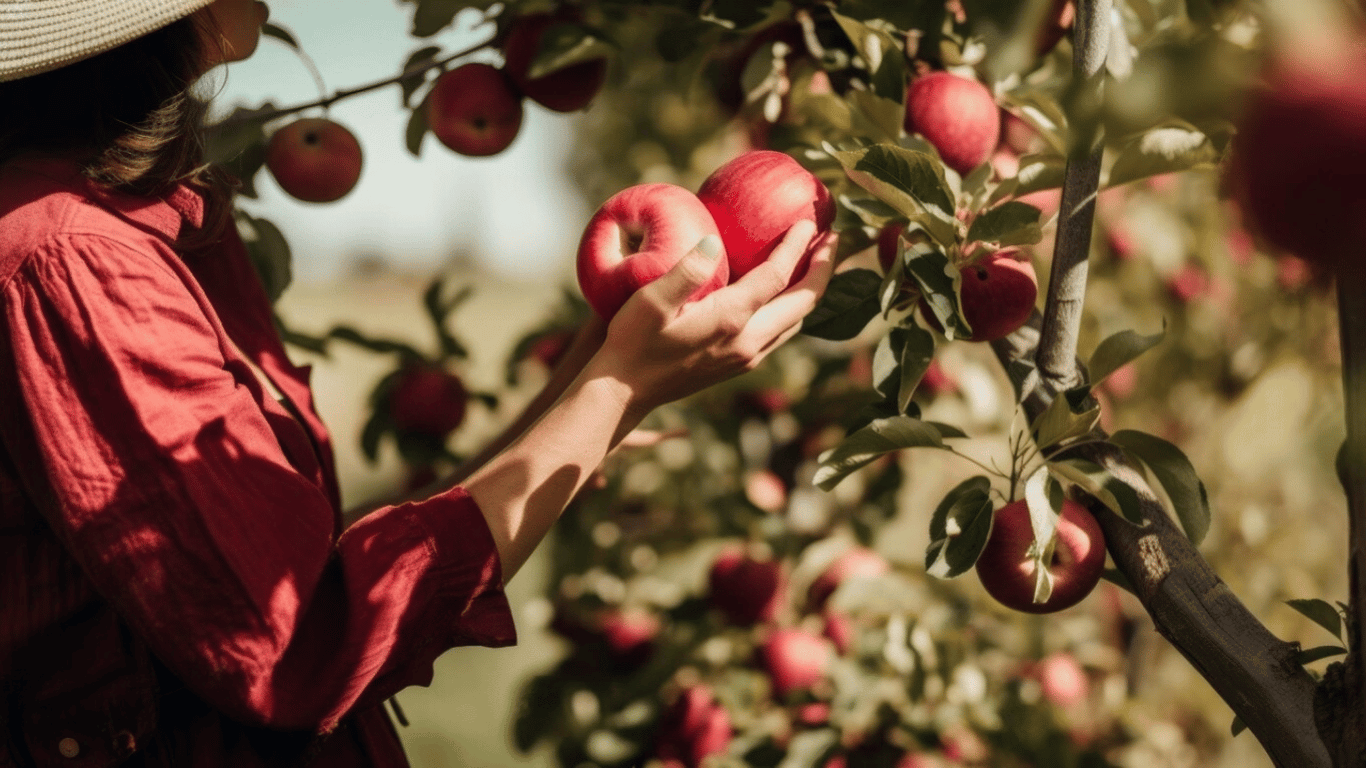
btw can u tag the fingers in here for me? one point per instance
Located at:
(767, 280)
(697, 266)
(795, 303)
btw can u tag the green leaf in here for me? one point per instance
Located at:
(1321, 612)
(877, 438)
(271, 29)
(1175, 146)
(269, 253)
(911, 182)
(347, 333)
(372, 432)
(540, 710)
(565, 44)
(1119, 350)
(1037, 172)
(939, 284)
(1177, 476)
(916, 353)
(882, 55)
(808, 749)
(1093, 479)
(959, 529)
(947, 430)
(238, 143)
(738, 14)
(849, 304)
(1311, 655)
(1010, 223)
(420, 59)
(416, 130)
(1045, 505)
(1059, 423)
(432, 16)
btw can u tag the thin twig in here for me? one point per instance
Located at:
(347, 93)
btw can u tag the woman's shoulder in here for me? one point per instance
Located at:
(46, 201)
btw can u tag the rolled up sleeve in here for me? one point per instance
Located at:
(147, 451)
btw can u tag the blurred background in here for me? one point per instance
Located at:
(1245, 383)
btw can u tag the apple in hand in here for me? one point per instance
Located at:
(314, 159)
(755, 199)
(475, 110)
(746, 590)
(1007, 572)
(795, 659)
(637, 236)
(428, 400)
(564, 90)
(998, 294)
(957, 115)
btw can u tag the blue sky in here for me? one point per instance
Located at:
(516, 211)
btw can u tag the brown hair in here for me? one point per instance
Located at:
(130, 117)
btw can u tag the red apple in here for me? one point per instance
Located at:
(629, 633)
(429, 400)
(998, 294)
(314, 160)
(746, 590)
(1189, 283)
(756, 198)
(1007, 572)
(795, 659)
(564, 90)
(957, 115)
(1299, 161)
(550, 347)
(854, 563)
(1063, 681)
(475, 110)
(638, 235)
(694, 727)
(887, 244)
(839, 630)
(937, 381)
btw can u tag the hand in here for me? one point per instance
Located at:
(663, 347)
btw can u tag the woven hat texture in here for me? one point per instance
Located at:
(41, 35)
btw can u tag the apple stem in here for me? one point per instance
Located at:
(1056, 356)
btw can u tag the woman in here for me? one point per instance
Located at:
(175, 585)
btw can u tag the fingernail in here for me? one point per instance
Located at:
(709, 246)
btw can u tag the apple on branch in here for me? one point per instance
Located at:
(314, 160)
(745, 589)
(1006, 566)
(475, 110)
(569, 89)
(957, 115)
(637, 236)
(795, 659)
(758, 196)
(428, 400)
(998, 292)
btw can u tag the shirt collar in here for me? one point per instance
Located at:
(164, 216)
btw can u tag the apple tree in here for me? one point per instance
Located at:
(1039, 204)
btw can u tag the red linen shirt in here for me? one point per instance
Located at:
(175, 586)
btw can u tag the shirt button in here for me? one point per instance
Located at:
(68, 747)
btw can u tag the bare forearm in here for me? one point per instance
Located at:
(524, 489)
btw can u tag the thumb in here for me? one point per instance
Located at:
(694, 270)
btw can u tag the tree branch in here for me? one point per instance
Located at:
(1341, 704)
(1254, 671)
(1057, 353)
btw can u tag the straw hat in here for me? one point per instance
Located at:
(41, 35)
